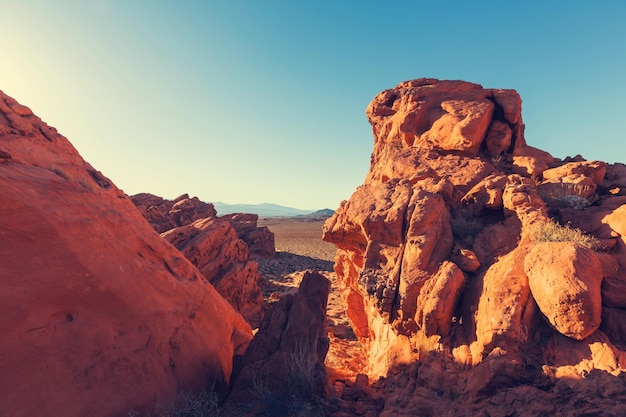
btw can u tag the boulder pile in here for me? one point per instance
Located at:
(468, 248)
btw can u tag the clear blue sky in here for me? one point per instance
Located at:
(263, 101)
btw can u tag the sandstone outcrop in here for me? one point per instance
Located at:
(284, 365)
(164, 214)
(565, 281)
(215, 249)
(260, 240)
(439, 255)
(99, 315)
(220, 247)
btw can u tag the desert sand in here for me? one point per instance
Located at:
(299, 247)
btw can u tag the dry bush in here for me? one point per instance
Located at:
(553, 231)
(464, 225)
(188, 404)
(294, 396)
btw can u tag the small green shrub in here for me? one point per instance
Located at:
(553, 231)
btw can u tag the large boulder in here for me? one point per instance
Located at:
(565, 280)
(220, 247)
(260, 240)
(445, 115)
(215, 249)
(165, 215)
(99, 315)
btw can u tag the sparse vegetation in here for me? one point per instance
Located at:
(553, 231)
(295, 396)
(464, 225)
(188, 404)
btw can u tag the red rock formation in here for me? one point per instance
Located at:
(284, 364)
(215, 249)
(565, 281)
(98, 314)
(438, 250)
(260, 240)
(218, 246)
(164, 215)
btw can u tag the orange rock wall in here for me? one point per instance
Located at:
(438, 251)
(98, 314)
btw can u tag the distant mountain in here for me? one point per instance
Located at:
(316, 215)
(263, 210)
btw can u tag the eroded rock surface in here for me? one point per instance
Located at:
(222, 258)
(439, 254)
(565, 281)
(99, 315)
(284, 364)
(164, 214)
(260, 240)
(220, 247)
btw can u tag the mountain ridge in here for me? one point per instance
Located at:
(262, 209)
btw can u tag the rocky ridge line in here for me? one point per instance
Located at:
(99, 315)
(220, 247)
(439, 256)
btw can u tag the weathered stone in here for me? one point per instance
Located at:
(215, 249)
(438, 298)
(164, 214)
(260, 240)
(99, 315)
(286, 356)
(565, 281)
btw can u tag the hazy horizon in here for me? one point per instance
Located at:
(248, 101)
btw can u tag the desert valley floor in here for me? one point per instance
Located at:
(299, 247)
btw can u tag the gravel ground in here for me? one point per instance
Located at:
(299, 247)
(300, 237)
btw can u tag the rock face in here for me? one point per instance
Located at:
(164, 215)
(565, 281)
(99, 315)
(285, 359)
(215, 249)
(260, 240)
(439, 253)
(220, 247)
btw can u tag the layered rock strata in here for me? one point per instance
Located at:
(99, 315)
(260, 240)
(164, 214)
(439, 253)
(215, 249)
(220, 247)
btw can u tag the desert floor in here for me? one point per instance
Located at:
(299, 247)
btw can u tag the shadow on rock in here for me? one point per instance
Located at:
(286, 263)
